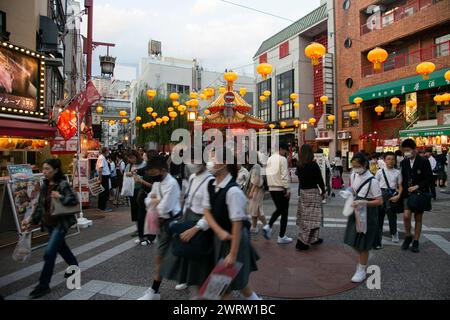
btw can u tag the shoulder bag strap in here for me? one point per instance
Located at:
(363, 184)
(196, 189)
(385, 179)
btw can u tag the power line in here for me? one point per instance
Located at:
(257, 10)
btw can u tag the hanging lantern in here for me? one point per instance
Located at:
(296, 105)
(153, 123)
(202, 96)
(280, 103)
(358, 101)
(353, 114)
(175, 104)
(174, 96)
(267, 93)
(312, 121)
(447, 75)
(158, 121)
(122, 113)
(264, 69)
(151, 94)
(154, 115)
(283, 124)
(379, 110)
(99, 108)
(438, 99)
(181, 109)
(170, 109)
(296, 123)
(331, 118)
(262, 98)
(410, 104)
(271, 126)
(138, 119)
(209, 92)
(145, 125)
(315, 51)
(230, 77)
(206, 112)
(395, 101)
(193, 95)
(111, 122)
(377, 56)
(193, 103)
(165, 119)
(293, 96)
(242, 91)
(199, 118)
(222, 90)
(446, 98)
(324, 100)
(425, 69)
(149, 110)
(173, 115)
(310, 106)
(124, 121)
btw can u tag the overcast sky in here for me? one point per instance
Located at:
(218, 34)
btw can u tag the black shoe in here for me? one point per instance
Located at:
(320, 241)
(39, 292)
(407, 242)
(415, 246)
(300, 246)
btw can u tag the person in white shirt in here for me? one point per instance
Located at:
(165, 197)
(390, 180)
(104, 174)
(278, 181)
(191, 272)
(433, 163)
(367, 193)
(243, 176)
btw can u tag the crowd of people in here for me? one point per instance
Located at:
(200, 214)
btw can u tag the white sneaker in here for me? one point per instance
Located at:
(181, 286)
(360, 274)
(284, 240)
(254, 230)
(267, 232)
(324, 201)
(144, 243)
(137, 241)
(395, 238)
(150, 295)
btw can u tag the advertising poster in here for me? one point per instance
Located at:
(84, 173)
(18, 80)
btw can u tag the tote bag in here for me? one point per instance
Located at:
(127, 187)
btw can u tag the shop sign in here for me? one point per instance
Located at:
(61, 146)
(425, 133)
(21, 81)
(345, 147)
(391, 143)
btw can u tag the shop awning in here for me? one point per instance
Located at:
(402, 86)
(443, 130)
(24, 128)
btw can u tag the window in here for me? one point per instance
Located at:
(347, 121)
(54, 86)
(388, 19)
(181, 89)
(348, 43)
(349, 83)
(442, 45)
(346, 4)
(284, 49)
(285, 86)
(263, 58)
(2, 22)
(264, 108)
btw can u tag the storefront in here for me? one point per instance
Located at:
(437, 137)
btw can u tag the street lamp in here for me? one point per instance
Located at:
(303, 128)
(191, 115)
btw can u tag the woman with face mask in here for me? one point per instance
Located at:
(191, 272)
(367, 193)
(225, 212)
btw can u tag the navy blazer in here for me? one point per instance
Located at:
(420, 174)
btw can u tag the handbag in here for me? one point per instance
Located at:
(200, 244)
(61, 210)
(127, 186)
(419, 202)
(395, 207)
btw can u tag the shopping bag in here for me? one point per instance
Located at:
(127, 187)
(348, 196)
(22, 252)
(219, 280)
(151, 226)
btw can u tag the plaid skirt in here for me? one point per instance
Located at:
(309, 212)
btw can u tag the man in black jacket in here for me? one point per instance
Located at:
(417, 177)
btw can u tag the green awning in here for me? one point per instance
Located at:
(402, 86)
(443, 130)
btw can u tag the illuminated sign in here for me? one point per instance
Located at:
(22, 76)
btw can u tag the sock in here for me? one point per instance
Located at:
(155, 286)
(361, 267)
(253, 296)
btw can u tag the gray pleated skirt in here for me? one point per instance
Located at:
(192, 272)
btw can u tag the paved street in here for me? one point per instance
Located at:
(113, 267)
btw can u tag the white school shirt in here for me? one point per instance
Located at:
(433, 163)
(381, 164)
(357, 180)
(168, 191)
(236, 200)
(242, 177)
(394, 177)
(102, 163)
(338, 162)
(113, 169)
(199, 185)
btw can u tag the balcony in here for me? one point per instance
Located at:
(378, 22)
(412, 57)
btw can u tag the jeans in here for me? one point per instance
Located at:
(282, 209)
(103, 197)
(56, 244)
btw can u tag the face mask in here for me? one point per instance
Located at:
(359, 170)
(209, 165)
(215, 171)
(408, 154)
(157, 178)
(194, 168)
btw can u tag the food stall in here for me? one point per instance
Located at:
(437, 137)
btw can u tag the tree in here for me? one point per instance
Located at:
(161, 133)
